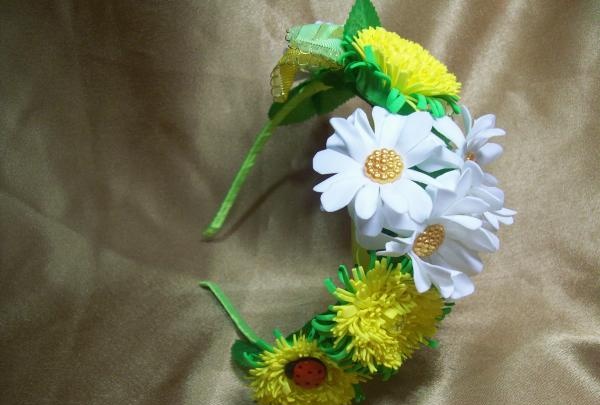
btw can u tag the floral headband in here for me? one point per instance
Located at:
(422, 208)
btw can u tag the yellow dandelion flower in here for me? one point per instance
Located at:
(325, 384)
(411, 68)
(385, 316)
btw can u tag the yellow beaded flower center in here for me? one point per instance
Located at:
(429, 240)
(470, 156)
(383, 166)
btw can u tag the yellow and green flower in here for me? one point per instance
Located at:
(384, 314)
(295, 371)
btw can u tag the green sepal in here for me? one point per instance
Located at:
(434, 344)
(446, 310)
(387, 373)
(421, 102)
(395, 101)
(345, 278)
(320, 103)
(330, 285)
(319, 327)
(362, 15)
(359, 396)
(242, 351)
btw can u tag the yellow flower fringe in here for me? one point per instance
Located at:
(271, 385)
(410, 67)
(386, 316)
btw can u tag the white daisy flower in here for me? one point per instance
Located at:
(477, 147)
(375, 170)
(492, 195)
(444, 251)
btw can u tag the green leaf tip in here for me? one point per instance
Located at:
(362, 15)
(242, 352)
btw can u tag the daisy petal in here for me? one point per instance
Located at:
(393, 197)
(400, 223)
(449, 180)
(506, 211)
(422, 281)
(422, 151)
(371, 242)
(328, 182)
(419, 202)
(394, 249)
(492, 220)
(423, 178)
(447, 127)
(443, 199)
(481, 240)
(468, 205)
(491, 195)
(336, 143)
(361, 122)
(416, 129)
(392, 129)
(505, 220)
(484, 122)
(341, 193)
(367, 200)
(457, 231)
(369, 229)
(467, 119)
(490, 133)
(359, 145)
(379, 116)
(440, 277)
(490, 180)
(488, 153)
(441, 158)
(466, 221)
(329, 161)
(463, 285)
(460, 258)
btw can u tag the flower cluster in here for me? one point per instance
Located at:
(387, 319)
(422, 206)
(378, 321)
(415, 186)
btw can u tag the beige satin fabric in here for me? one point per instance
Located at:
(122, 124)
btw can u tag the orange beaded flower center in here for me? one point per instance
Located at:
(429, 240)
(383, 166)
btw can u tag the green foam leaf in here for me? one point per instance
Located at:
(362, 15)
(241, 347)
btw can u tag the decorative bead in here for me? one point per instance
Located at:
(383, 166)
(470, 156)
(307, 372)
(430, 240)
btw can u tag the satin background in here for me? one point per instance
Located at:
(122, 124)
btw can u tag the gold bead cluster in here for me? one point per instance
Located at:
(470, 156)
(383, 166)
(429, 240)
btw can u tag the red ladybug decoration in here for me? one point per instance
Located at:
(307, 372)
